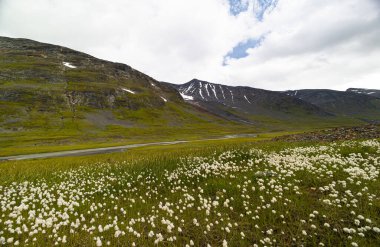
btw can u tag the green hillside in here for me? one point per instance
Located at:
(51, 95)
(55, 98)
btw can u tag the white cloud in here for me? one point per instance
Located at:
(314, 44)
(308, 44)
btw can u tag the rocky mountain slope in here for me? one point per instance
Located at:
(371, 92)
(341, 103)
(52, 94)
(79, 79)
(52, 90)
(335, 134)
(245, 102)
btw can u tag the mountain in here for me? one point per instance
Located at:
(54, 96)
(33, 71)
(371, 92)
(245, 103)
(340, 103)
(62, 96)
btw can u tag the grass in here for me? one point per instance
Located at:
(195, 184)
(113, 136)
(47, 131)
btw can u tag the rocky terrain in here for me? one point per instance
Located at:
(335, 134)
(342, 103)
(251, 99)
(370, 92)
(242, 102)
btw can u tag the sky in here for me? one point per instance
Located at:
(271, 44)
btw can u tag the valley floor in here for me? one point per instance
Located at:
(39, 140)
(84, 152)
(235, 192)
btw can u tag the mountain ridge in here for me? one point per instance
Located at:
(67, 96)
(362, 105)
(345, 103)
(371, 92)
(58, 95)
(241, 102)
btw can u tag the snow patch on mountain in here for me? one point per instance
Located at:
(69, 65)
(247, 99)
(128, 90)
(186, 97)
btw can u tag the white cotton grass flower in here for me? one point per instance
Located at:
(105, 201)
(225, 244)
(98, 242)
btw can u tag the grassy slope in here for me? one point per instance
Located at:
(36, 115)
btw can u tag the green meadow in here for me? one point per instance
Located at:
(235, 192)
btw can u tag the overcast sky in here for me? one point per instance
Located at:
(271, 44)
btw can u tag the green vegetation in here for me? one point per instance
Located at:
(235, 192)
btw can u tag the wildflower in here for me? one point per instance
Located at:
(225, 243)
(195, 222)
(117, 233)
(98, 242)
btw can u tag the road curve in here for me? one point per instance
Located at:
(114, 149)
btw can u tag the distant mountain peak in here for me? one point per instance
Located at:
(345, 103)
(371, 92)
(206, 91)
(241, 103)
